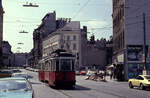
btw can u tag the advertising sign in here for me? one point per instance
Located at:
(134, 70)
(135, 52)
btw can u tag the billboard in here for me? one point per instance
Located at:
(134, 70)
(135, 52)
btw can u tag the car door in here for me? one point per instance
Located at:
(138, 80)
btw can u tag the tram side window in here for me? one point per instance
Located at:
(57, 65)
(65, 65)
(42, 66)
(46, 66)
(53, 65)
(49, 64)
(73, 67)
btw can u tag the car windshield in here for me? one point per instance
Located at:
(13, 85)
(147, 77)
(20, 75)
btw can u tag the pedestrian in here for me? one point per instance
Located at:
(111, 74)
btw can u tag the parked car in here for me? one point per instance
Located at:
(82, 72)
(77, 72)
(16, 71)
(5, 73)
(141, 81)
(23, 75)
(15, 88)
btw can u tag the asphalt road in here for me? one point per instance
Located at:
(87, 89)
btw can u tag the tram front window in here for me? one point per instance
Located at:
(65, 65)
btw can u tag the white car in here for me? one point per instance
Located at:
(14, 87)
(23, 75)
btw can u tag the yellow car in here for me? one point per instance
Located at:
(141, 81)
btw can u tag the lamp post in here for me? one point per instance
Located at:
(1, 33)
(144, 45)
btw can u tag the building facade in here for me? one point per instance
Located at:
(49, 25)
(66, 38)
(19, 59)
(6, 51)
(93, 52)
(131, 49)
(1, 32)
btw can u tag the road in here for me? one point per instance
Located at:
(87, 89)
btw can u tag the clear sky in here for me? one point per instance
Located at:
(96, 14)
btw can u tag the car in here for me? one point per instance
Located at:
(141, 81)
(77, 72)
(16, 71)
(13, 87)
(82, 72)
(23, 75)
(5, 73)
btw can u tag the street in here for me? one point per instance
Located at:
(87, 89)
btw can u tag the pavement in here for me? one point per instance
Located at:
(110, 80)
(88, 89)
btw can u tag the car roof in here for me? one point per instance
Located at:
(13, 78)
(20, 73)
(144, 75)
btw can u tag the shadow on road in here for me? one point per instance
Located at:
(77, 87)
(37, 83)
(146, 89)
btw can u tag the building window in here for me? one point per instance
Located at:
(74, 46)
(68, 46)
(74, 37)
(68, 37)
(62, 46)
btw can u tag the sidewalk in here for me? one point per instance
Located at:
(110, 80)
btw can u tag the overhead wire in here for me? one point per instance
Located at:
(78, 12)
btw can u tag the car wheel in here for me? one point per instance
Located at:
(130, 85)
(141, 86)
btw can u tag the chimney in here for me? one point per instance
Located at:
(85, 28)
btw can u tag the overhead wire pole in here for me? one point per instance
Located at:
(1, 33)
(144, 44)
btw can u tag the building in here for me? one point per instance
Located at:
(109, 48)
(49, 25)
(1, 31)
(93, 52)
(6, 51)
(19, 59)
(131, 47)
(67, 38)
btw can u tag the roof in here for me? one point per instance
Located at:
(73, 25)
(12, 78)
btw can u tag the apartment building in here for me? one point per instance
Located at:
(131, 46)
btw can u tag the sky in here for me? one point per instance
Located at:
(95, 14)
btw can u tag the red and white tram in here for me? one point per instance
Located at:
(58, 69)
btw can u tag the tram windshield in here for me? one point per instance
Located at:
(66, 65)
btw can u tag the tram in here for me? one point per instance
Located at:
(58, 69)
